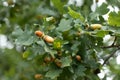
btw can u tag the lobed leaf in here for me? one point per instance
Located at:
(66, 61)
(75, 15)
(53, 73)
(64, 25)
(114, 19)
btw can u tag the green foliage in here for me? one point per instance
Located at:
(75, 14)
(60, 5)
(102, 9)
(70, 28)
(64, 25)
(114, 19)
(54, 73)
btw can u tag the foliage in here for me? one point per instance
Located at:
(70, 26)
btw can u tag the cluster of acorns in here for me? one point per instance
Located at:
(49, 59)
(47, 38)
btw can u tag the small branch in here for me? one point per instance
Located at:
(114, 40)
(111, 46)
(105, 61)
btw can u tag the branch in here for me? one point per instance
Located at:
(105, 61)
(111, 46)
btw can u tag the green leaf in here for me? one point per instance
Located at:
(66, 61)
(102, 9)
(46, 11)
(114, 19)
(80, 70)
(53, 73)
(25, 38)
(93, 77)
(26, 54)
(59, 5)
(64, 25)
(38, 49)
(102, 33)
(57, 45)
(47, 49)
(17, 32)
(113, 2)
(75, 15)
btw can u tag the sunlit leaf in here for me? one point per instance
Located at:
(102, 33)
(59, 5)
(114, 19)
(75, 14)
(26, 54)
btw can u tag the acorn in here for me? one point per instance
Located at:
(47, 59)
(78, 57)
(58, 63)
(38, 76)
(48, 39)
(39, 33)
(95, 26)
(52, 58)
(59, 53)
(78, 33)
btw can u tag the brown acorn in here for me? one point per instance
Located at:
(47, 59)
(39, 33)
(52, 58)
(78, 57)
(38, 76)
(58, 63)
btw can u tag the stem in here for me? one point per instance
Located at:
(106, 60)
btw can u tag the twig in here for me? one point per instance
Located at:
(105, 61)
(114, 40)
(111, 46)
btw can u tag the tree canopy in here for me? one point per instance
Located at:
(56, 40)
